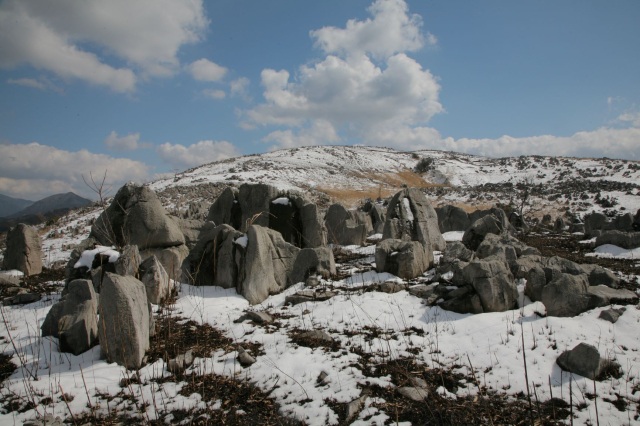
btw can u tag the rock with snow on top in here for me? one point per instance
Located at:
(411, 217)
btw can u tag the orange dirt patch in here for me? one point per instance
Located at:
(374, 185)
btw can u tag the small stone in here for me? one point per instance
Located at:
(244, 358)
(259, 317)
(323, 378)
(413, 393)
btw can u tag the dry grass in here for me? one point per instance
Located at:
(374, 185)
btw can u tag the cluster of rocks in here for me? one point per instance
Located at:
(481, 272)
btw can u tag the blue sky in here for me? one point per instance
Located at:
(145, 87)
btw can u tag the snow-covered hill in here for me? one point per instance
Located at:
(379, 341)
(349, 174)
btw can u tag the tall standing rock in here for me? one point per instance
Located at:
(266, 264)
(137, 217)
(124, 323)
(24, 250)
(343, 226)
(411, 217)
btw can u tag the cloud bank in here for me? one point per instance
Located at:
(144, 36)
(35, 171)
(365, 83)
(183, 157)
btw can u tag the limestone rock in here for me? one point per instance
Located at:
(124, 324)
(24, 250)
(411, 217)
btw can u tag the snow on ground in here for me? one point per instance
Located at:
(490, 343)
(615, 252)
(453, 236)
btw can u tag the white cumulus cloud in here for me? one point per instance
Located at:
(129, 142)
(205, 70)
(184, 157)
(34, 171)
(321, 132)
(365, 82)
(390, 30)
(145, 34)
(214, 93)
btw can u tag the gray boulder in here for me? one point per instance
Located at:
(171, 258)
(585, 360)
(410, 217)
(566, 295)
(24, 250)
(405, 259)
(559, 225)
(378, 215)
(536, 281)
(255, 203)
(212, 260)
(494, 284)
(226, 209)
(452, 218)
(136, 217)
(488, 224)
(611, 315)
(601, 295)
(155, 280)
(627, 240)
(291, 214)
(190, 228)
(265, 264)
(343, 227)
(456, 251)
(74, 320)
(128, 262)
(73, 273)
(313, 261)
(124, 324)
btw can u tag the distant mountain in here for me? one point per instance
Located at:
(56, 202)
(10, 205)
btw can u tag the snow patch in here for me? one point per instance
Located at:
(86, 259)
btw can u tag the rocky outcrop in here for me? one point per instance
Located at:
(452, 218)
(212, 261)
(128, 262)
(343, 226)
(155, 280)
(265, 264)
(405, 259)
(411, 217)
(24, 250)
(286, 212)
(317, 261)
(597, 223)
(626, 240)
(124, 325)
(476, 233)
(136, 217)
(74, 320)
